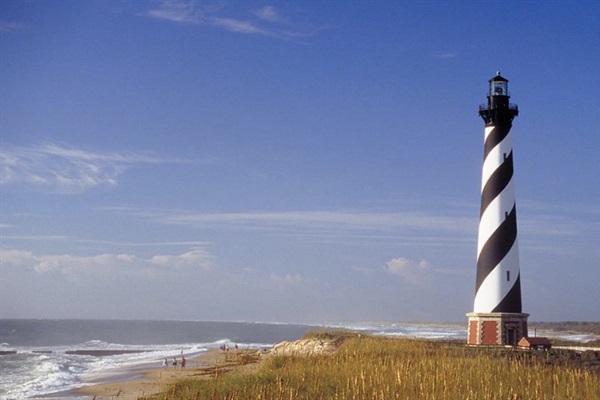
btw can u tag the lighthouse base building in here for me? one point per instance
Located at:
(496, 329)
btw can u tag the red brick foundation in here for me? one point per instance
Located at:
(496, 329)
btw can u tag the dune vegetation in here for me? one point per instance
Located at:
(385, 368)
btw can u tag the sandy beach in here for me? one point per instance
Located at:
(156, 379)
(139, 384)
(394, 366)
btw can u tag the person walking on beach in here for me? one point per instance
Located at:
(174, 362)
(182, 362)
(166, 364)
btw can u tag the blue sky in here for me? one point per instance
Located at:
(289, 161)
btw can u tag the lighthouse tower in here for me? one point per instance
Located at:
(497, 318)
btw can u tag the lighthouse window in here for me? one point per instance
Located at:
(508, 276)
(499, 88)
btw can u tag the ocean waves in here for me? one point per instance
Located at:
(40, 357)
(407, 330)
(31, 372)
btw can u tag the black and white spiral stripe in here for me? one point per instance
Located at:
(498, 287)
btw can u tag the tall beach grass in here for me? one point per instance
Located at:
(384, 368)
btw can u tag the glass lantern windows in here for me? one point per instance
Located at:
(499, 88)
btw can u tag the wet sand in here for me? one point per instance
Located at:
(136, 384)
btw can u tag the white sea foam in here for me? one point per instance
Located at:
(566, 335)
(408, 330)
(35, 371)
(28, 373)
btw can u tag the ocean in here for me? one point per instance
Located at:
(41, 357)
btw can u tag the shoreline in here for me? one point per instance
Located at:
(146, 380)
(136, 381)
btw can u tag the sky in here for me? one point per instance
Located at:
(295, 161)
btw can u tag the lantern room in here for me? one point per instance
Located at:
(498, 85)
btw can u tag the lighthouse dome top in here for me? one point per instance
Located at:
(498, 78)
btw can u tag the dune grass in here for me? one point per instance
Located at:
(383, 368)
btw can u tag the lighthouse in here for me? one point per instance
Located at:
(497, 317)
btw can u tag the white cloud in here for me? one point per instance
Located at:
(315, 222)
(537, 227)
(176, 11)
(99, 264)
(197, 258)
(286, 280)
(106, 264)
(15, 257)
(269, 13)
(413, 272)
(66, 170)
(258, 23)
(235, 25)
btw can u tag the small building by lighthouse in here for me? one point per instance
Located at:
(497, 318)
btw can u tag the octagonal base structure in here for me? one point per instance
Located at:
(496, 329)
